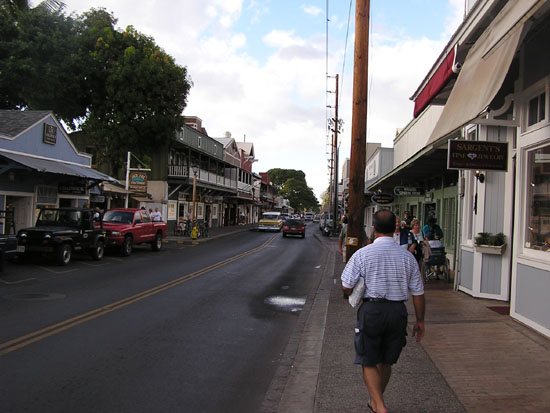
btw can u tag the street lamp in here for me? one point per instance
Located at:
(195, 171)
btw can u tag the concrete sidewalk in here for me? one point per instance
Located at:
(213, 233)
(472, 358)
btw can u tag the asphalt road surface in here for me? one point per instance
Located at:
(188, 329)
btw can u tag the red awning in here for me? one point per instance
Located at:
(438, 81)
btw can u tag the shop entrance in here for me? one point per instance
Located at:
(20, 213)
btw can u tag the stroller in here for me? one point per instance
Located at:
(435, 264)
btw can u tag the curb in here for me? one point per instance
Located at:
(188, 241)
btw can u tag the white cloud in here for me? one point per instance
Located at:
(312, 10)
(278, 102)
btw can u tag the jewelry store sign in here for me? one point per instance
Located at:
(478, 155)
(138, 182)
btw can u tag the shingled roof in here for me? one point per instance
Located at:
(13, 122)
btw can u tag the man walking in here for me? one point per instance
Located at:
(389, 272)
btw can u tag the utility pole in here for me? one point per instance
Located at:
(335, 157)
(358, 128)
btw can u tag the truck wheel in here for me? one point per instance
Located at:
(157, 243)
(127, 246)
(97, 252)
(64, 254)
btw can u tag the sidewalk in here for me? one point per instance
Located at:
(472, 358)
(213, 233)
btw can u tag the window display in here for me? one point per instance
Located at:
(537, 234)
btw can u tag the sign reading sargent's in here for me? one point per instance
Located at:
(482, 155)
(138, 182)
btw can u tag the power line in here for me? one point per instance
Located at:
(345, 50)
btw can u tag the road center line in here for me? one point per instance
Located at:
(41, 334)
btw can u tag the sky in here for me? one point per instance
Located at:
(259, 67)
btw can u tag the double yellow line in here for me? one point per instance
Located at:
(38, 335)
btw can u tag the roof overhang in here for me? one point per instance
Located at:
(58, 167)
(429, 162)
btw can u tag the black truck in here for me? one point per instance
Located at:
(61, 231)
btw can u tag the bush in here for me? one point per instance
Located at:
(486, 238)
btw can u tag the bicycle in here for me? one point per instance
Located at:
(179, 230)
(203, 230)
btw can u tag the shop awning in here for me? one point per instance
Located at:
(446, 70)
(107, 187)
(142, 199)
(484, 70)
(58, 167)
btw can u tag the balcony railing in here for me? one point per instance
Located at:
(178, 170)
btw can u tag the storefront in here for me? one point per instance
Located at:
(40, 167)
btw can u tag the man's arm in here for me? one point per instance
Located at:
(419, 308)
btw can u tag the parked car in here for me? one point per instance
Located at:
(294, 227)
(61, 231)
(127, 227)
(316, 218)
(271, 221)
(309, 216)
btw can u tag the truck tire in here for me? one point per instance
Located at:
(64, 254)
(99, 249)
(156, 245)
(127, 246)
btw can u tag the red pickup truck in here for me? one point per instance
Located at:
(126, 227)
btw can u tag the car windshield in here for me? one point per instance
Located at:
(293, 222)
(61, 217)
(270, 216)
(122, 217)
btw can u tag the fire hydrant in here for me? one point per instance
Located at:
(195, 232)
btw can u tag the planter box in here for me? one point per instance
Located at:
(491, 249)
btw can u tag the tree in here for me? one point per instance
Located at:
(118, 86)
(39, 61)
(279, 176)
(139, 92)
(292, 185)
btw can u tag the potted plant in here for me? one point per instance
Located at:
(488, 243)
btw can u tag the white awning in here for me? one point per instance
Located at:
(485, 68)
(58, 167)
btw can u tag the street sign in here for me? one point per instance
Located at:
(405, 190)
(382, 198)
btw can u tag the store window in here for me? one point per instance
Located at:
(536, 111)
(537, 232)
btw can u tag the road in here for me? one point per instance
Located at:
(190, 328)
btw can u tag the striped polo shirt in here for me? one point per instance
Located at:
(389, 271)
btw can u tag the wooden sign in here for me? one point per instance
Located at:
(478, 155)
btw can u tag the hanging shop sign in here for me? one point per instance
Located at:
(405, 191)
(382, 198)
(478, 155)
(72, 188)
(138, 182)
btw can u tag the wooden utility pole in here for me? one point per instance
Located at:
(358, 128)
(335, 160)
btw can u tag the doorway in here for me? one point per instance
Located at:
(21, 213)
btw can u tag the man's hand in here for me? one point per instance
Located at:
(347, 291)
(340, 251)
(418, 331)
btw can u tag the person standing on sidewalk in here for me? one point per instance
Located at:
(389, 271)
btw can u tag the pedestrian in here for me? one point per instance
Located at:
(389, 272)
(433, 228)
(156, 216)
